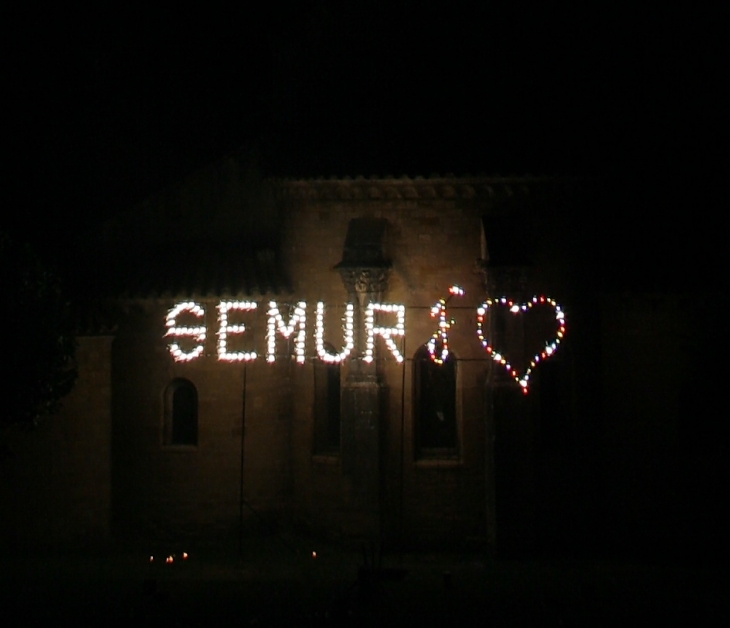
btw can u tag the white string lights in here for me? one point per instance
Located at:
(348, 326)
(225, 328)
(516, 308)
(197, 333)
(438, 344)
(440, 338)
(386, 332)
(276, 323)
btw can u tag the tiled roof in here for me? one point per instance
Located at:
(189, 270)
(433, 187)
(216, 233)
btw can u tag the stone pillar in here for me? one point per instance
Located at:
(498, 281)
(489, 431)
(362, 400)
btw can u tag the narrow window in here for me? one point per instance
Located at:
(326, 406)
(434, 388)
(181, 413)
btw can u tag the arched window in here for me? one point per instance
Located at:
(326, 406)
(181, 413)
(434, 406)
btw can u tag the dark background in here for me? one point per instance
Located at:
(107, 107)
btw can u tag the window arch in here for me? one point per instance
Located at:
(181, 413)
(434, 406)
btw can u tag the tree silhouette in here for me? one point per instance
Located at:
(38, 339)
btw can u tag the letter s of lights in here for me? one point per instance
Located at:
(198, 333)
(549, 349)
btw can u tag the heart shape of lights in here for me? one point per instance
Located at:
(516, 308)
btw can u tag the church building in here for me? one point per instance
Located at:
(403, 360)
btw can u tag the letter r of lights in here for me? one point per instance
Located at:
(386, 332)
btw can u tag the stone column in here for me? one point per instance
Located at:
(498, 281)
(509, 425)
(362, 399)
(490, 429)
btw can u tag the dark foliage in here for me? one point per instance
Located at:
(38, 367)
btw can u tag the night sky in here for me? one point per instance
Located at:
(107, 108)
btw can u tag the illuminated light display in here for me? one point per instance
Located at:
(438, 345)
(516, 308)
(348, 333)
(276, 323)
(225, 328)
(386, 332)
(197, 333)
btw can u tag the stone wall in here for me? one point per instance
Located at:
(433, 239)
(253, 465)
(176, 491)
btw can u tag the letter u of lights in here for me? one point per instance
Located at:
(348, 331)
(226, 328)
(386, 332)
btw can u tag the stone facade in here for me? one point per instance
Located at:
(254, 461)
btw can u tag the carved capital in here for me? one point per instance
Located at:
(362, 281)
